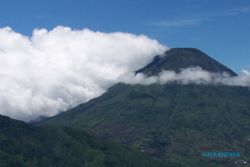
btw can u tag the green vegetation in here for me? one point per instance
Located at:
(22, 145)
(170, 122)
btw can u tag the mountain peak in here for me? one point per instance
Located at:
(177, 59)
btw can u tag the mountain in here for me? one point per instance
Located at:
(177, 59)
(171, 122)
(23, 145)
(175, 122)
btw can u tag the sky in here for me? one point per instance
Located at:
(57, 54)
(219, 28)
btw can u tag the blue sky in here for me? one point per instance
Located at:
(219, 28)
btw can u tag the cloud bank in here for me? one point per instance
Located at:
(192, 75)
(52, 71)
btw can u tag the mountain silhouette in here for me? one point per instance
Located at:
(177, 59)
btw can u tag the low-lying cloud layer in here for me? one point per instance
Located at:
(192, 75)
(52, 71)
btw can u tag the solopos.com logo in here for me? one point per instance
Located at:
(220, 154)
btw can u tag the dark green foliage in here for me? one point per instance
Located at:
(169, 122)
(22, 145)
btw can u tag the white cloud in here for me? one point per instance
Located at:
(192, 75)
(237, 11)
(54, 70)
